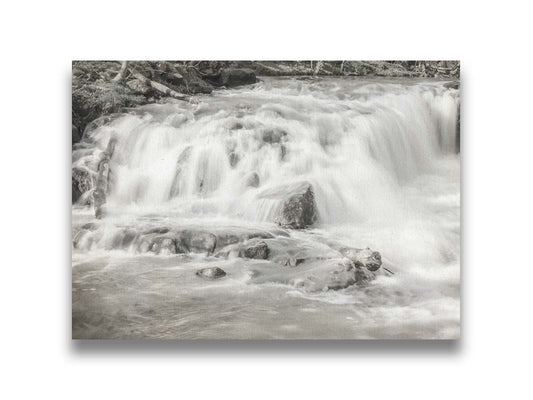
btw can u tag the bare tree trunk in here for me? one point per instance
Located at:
(123, 69)
(317, 68)
(342, 67)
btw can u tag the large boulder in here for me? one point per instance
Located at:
(81, 183)
(231, 77)
(298, 209)
(198, 241)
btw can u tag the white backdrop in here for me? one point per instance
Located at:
(39, 40)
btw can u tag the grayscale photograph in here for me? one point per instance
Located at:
(266, 200)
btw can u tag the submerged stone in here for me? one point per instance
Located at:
(211, 273)
(339, 275)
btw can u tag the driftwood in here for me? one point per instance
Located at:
(160, 87)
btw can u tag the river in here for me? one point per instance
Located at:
(381, 157)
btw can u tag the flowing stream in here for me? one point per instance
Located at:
(380, 155)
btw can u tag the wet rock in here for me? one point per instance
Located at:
(81, 182)
(338, 276)
(211, 273)
(252, 180)
(84, 239)
(231, 77)
(198, 241)
(232, 249)
(363, 258)
(226, 239)
(164, 245)
(298, 211)
(363, 276)
(257, 250)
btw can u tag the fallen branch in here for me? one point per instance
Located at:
(159, 87)
(388, 270)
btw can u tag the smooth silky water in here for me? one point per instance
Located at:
(381, 157)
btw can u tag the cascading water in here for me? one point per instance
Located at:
(381, 159)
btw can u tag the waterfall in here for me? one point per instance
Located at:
(355, 142)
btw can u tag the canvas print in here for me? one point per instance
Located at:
(266, 200)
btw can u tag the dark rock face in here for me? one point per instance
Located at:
(188, 81)
(258, 250)
(81, 182)
(76, 137)
(211, 273)
(231, 77)
(298, 211)
(363, 258)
